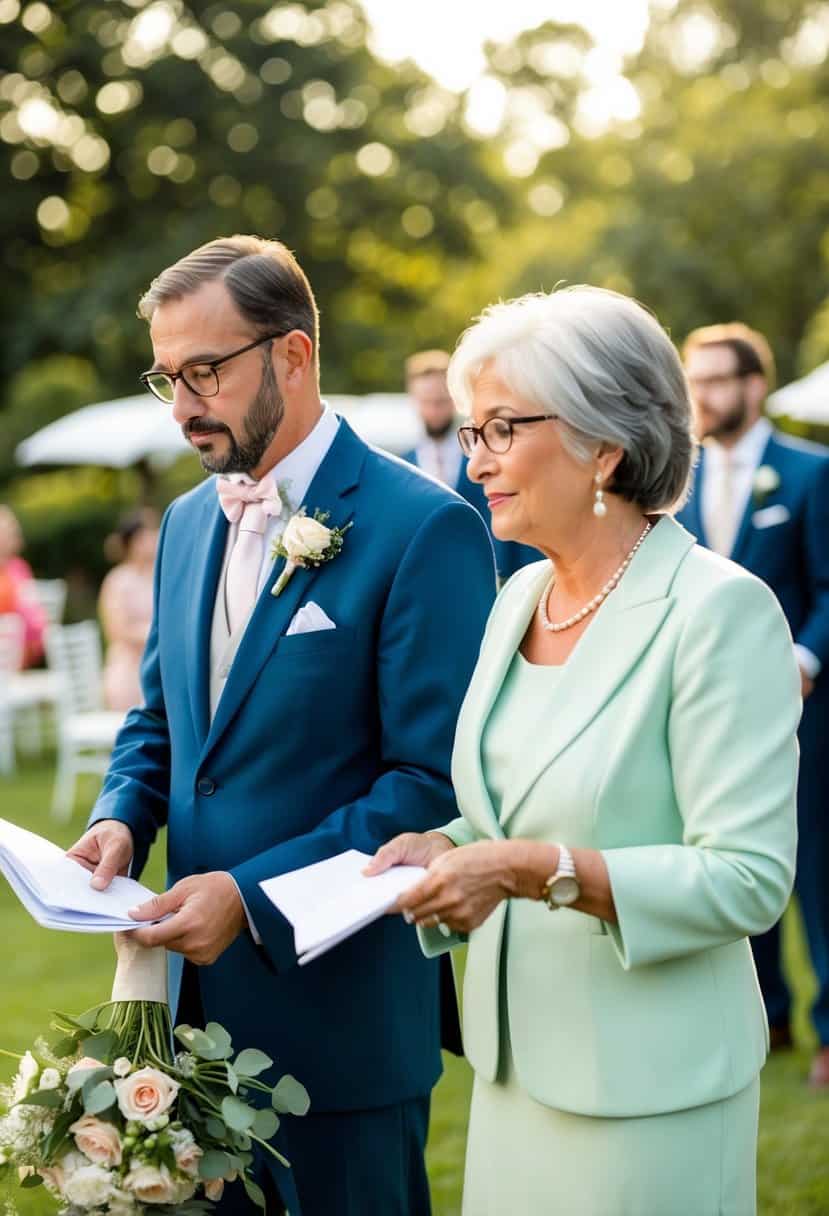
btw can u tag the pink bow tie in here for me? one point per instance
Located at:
(234, 496)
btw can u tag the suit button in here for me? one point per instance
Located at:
(206, 786)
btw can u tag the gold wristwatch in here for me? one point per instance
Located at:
(562, 888)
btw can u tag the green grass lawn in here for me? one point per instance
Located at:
(40, 971)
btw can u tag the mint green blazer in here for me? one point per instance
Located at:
(669, 743)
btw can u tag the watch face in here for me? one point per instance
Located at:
(564, 891)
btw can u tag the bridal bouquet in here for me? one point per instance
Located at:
(110, 1120)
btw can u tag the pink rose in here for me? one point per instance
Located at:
(146, 1094)
(97, 1140)
(82, 1066)
(151, 1184)
(187, 1154)
(213, 1188)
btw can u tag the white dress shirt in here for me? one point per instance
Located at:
(293, 476)
(441, 458)
(745, 457)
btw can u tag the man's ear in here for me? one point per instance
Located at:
(297, 350)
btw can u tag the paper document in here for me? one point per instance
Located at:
(328, 901)
(55, 890)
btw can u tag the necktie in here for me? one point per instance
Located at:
(250, 505)
(723, 523)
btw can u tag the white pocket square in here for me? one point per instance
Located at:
(769, 516)
(309, 619)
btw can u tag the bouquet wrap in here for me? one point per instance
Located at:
(141, 972)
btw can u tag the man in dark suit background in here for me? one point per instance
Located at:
(438, 452)
(762, 499)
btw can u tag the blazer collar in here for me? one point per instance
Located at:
(331, 490)
(742, 541)
(620, 633)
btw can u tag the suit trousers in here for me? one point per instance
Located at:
(352, 1163)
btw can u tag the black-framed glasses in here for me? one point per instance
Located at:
(497, 433)
(201, 378)
(695, 383)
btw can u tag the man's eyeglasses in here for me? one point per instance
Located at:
(201, 378)
(497, 433)
(718, 381)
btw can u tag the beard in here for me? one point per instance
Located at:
(259, 425)
(721, 426)
(441, 429)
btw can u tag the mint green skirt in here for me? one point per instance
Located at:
(526, 1159)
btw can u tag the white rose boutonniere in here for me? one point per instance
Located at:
(766, 480)
(306, 542)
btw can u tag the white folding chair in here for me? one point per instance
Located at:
(11, 656)
(33, 691)
(86, 731)
(50, 593)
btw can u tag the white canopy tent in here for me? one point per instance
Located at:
(806, 400)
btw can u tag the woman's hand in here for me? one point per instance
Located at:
(462, 886)
(409, 849)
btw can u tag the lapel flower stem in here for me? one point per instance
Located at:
(284, 578)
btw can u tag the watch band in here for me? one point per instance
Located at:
(566, 869)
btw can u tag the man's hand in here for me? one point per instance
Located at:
(208, 915)
(106, 849)
(807, 684)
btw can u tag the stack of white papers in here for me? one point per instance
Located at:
(328, 901)
(55, 890)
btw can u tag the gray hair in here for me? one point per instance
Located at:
(605, 365)
(264, 279)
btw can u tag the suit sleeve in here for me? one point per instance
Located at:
(137, 784)
(428, 643)
(733, 747)
(814, 634)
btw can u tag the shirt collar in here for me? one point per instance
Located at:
(747, 451)
(296, 470)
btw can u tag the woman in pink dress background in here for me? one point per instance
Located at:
(17, 587)
(125, 606)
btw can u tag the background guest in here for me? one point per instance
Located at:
(17, 587)
(439, 454)
(125, 606)
(762, 499)
(625, 766)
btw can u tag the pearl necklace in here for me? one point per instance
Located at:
(592, 605)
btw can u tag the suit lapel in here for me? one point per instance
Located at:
(745, 531)
(335, 479)
(208, 556)
(692, 511)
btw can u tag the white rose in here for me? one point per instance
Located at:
(145, 1094)
(187, 1153)
(97, 1140)
(88, 1187)
(74, 1078)
(151, 1184)
(122, 1067)
(50, 1079)
(120, 1204)
(304, 537)
(766, 479)
(213, 1188)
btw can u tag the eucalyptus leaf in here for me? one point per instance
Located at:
(251, 1062)
(216, 1128)
(255, 1193)
(222, 1042)
(289, 1097)
(198, 1042)
(232, 1079)
(101, 1097)
(64, 1047)
(43, 1097)
(265, 1124)
(81, 1077)
(31, 1181)
(100, 1045)
(237, 1115)
(214, 1164)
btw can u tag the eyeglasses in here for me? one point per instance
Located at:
(201, 378)
(497, 433)
(718, 381)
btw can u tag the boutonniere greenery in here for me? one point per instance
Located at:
(766, 480)
(307, 542)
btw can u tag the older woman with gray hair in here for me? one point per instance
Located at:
(625, 767)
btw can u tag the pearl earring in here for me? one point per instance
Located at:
(599, 504)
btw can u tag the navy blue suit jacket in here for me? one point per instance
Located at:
(791, 554)
(509, 555)
(321, 742)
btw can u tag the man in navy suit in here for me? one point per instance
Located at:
(762, 499)
(439, 453)
(281, 729)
